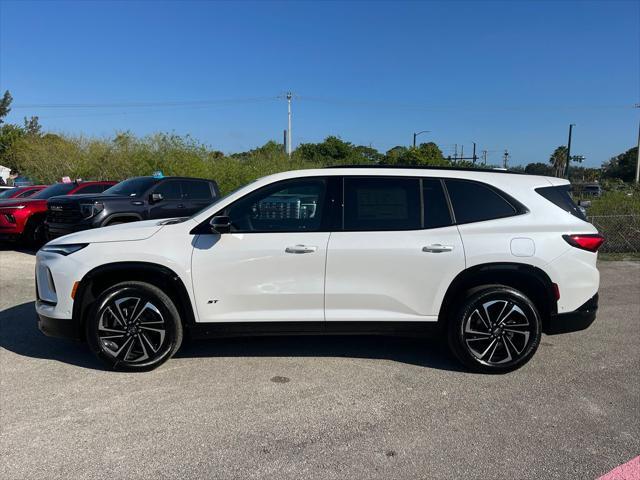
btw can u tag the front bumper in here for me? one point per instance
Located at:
(574, 321)
(55, 230)
(59, 327)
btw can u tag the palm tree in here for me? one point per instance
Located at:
(558, 161)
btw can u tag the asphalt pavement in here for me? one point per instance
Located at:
(319, 407)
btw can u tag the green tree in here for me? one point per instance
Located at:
(426, 154)
(5, 105)
(32, 126)
(558, 161)
(622, 166)
(539, 168)
(335, 151)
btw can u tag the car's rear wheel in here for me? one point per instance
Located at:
(134, 326)
(496, 329)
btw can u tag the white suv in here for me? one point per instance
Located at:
(490, 259)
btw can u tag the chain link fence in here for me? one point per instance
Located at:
(622, 232)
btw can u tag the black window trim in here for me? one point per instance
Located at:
(333, 219)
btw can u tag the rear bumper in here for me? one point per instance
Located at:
(574, 321)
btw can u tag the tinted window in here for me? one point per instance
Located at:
(380, 203)
(436, 208)
(561, 197)
(93, 188)
(475, 202)
(7, 193)
(195, 190)
(27, 193)
(170, 190)
(56, 189)
(133, 187)
(285, 207)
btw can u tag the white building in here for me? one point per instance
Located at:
(4, 173)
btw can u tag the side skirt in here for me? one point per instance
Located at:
(250, 329)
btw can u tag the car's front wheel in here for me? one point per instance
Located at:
(134, 326)
(496, 329)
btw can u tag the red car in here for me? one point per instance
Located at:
(19, 192)
(23, 219)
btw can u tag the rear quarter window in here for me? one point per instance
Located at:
(560, 196)
(477, 202)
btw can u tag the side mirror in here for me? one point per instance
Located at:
(156, 197)
(584, 203)
(220, 224)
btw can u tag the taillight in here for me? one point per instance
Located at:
(590, 242)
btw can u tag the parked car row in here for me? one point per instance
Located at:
(34, 214)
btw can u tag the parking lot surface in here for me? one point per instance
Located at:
(319, 407)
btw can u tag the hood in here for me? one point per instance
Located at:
(117, 233)
(16, 202)
(88, 198)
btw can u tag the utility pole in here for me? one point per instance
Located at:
(474, 153)
(455, 153)
(289, 124)
(505, 159)
(566, 167)
(461, 152)
(484, 157)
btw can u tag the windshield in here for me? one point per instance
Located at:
(7, 193)
(53, 190)
(133, 187)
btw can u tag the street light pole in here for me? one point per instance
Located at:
(289, 123)
(566, 167)
(638, 154)
(415, 134)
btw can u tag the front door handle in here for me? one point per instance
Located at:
(301, 249)
(437, 248)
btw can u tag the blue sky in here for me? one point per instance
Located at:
(503, 74)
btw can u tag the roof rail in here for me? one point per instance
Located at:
(412, 167)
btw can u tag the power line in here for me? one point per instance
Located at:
(228, 101)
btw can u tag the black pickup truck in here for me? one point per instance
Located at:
(138, 198)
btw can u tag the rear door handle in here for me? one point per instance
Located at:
(437, 248)
(301, 249)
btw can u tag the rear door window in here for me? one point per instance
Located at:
(477, 202)
(382, 203)
(436, 207)
(560, 196)
(196, 190)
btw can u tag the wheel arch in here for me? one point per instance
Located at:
(530, 280)
(100, 278)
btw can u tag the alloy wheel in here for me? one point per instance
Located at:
(131, 329)
(497, 332)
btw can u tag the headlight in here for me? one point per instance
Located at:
(88, 210)
(64, 249)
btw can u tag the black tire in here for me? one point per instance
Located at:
(134, 326)
(34, 235)
(496, 329)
